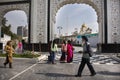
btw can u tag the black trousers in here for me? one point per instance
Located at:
(63, 56)
(82, 65)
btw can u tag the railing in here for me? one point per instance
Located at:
(110, 48)
(36, 47)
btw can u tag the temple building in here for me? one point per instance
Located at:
(85, 30)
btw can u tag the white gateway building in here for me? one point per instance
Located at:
(41, 17)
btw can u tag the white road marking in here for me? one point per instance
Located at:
(39, 58)
(22, 72)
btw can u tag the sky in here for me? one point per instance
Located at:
(69, 17)
(16, 18)
(72, 16)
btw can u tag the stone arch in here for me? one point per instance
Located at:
(88, 2)
(97, 5)
(6, 8)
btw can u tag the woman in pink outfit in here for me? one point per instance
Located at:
(64, 51)
(69, 52)
(19, 47)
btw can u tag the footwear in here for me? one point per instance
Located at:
(77, 75)
(10, 65)
(93, 74)
(62, 62)
(4, 65)
(53, 63)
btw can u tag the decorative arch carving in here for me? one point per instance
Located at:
(6, 8)
(89, 2)
(97, 5)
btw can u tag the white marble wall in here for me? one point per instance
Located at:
(39, 21)
(33, 21)
(100, 5)
(39, 17)
(113, 21)
(10, 0)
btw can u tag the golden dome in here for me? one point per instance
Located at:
(84, 25)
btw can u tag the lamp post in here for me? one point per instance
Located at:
(59, 28)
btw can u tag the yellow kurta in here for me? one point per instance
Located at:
(9, 52)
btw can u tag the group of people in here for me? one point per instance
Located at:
(67, 50)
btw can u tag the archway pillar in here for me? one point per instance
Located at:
(33, 21)
(39, 21)
(0, 27)
(52, 31)
(113, 14)
(112, 32)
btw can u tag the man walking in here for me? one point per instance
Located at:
(85, 58)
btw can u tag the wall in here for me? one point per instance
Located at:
(5, 39)
(10, 0)
(113, 8)
(39, 21)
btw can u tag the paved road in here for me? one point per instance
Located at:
(30, 69)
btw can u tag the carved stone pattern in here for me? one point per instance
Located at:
(98, 5)
(6, 8)
(41, 20)
(115, 20)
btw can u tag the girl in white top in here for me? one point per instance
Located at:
(54, 49)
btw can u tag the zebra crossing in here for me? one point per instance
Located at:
(95, 59)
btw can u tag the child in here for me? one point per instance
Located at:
(9, 53)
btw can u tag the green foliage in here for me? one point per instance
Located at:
(6, 30)
(2, 55)
(26, 54)
(4, 21)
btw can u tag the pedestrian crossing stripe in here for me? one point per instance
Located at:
(96, 59)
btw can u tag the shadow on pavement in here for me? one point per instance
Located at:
(56, 74)
(2, 67)
(109, 73)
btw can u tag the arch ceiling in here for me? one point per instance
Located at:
(6, 8)
(88, 2)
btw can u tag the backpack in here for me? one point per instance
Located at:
(89, 50)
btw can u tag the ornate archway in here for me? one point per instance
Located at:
(10, 7)
(96, 5)
(43, 14)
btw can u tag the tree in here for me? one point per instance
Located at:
(6, 30)
(4, 21)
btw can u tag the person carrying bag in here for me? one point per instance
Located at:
(85, 58)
